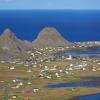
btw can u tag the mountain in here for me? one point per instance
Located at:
(11, 45)
(50, 37)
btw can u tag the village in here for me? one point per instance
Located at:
(28, 77)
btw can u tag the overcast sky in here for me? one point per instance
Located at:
(49, 4)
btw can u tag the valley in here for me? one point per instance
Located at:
(28, 69)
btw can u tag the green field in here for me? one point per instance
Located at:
(20, 71)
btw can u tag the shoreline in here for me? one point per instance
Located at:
(78, 97)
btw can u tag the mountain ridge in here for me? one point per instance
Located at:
(50, 37)
(11, 45)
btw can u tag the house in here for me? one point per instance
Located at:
(57, 75)
(78, 66)
(29, 83)
(41, 75)
(46, 68)
(66, 72)
(84, 69)
(2, 62)
(70, 69)
(49, 77)
(35, 90)
(34, 66)
(14, 81)
(26, 65)
(14, 97)
(60, 71)
(32, 54)
(69, 57)
(20, 84)
(17, 86)
(29, 71)
(12, 68)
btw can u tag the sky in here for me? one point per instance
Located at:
(50, 4)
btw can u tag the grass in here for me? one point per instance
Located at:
(44, 93)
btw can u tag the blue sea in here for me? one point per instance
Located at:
(74, 25)
(90, 97)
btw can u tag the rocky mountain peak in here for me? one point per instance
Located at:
(50, 37)
(49, 31)
(7, 33)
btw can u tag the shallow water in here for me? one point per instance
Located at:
(89, 97)
(76, 84)
(83, 53)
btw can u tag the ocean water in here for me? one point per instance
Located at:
(90, 97)
(75, 84)
(82, 53)
(74, 25)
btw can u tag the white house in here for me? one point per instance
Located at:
(29, 71)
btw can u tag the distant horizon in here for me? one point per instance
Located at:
(52, 9)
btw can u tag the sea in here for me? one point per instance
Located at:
(73, 25)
